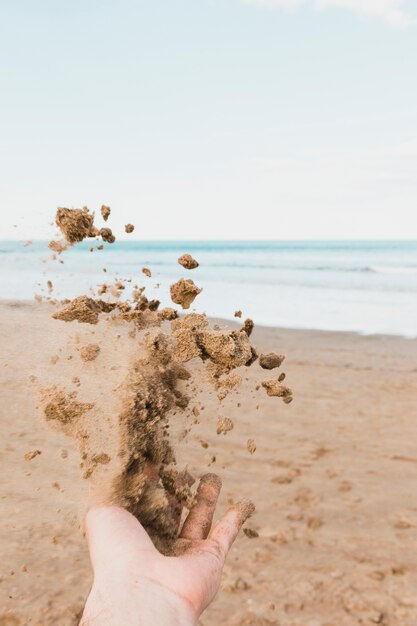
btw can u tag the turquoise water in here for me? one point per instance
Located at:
(368, 287)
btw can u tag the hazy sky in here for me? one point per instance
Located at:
(206, 119)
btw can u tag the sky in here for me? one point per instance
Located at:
(211, 119)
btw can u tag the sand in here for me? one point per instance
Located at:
(83, 309)
(333, 478)
(75, 225)
(187, 261)
(184, 292)
(224, 425)
(271, 360)
(129, 426)
(105, 212)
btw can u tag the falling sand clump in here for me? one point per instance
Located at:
(277, 389)
(107, 235)
(77, 225)
(225, 350)
(105, 212)
(32, 454)
(62, 408)
(84, 310)
(89, 352)
(251, 446)
(271, 360)
(129, 228)
(224, 425)
(58, 246)
(187, 261)
(146, 452)
(63, 411)
(146, 271)
(184, 292)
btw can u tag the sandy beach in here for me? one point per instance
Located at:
(333, 478)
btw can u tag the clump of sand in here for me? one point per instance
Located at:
(84, 310)
(107, 235)
(32, 454)
(251, 446)
(63, 411)
(58, 246)
(187, 261)
(275, 388)
(129, 228)
(184, 292)
(105, 212)
(224, 425)
(89, 352)
(271, 360)
(77, 225)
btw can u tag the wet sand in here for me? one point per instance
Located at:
(334, 477)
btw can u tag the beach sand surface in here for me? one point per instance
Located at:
(333, 477)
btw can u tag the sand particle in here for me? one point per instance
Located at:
(89, 352)
(224, 425)
(275, 388)
(251, 446)
(105, 212)
(107, 235)
(32, 454)
(84, 310)
(187, 261)
(271, 360)
(184, 292)
(75, 224)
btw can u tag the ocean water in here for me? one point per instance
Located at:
(366, 287)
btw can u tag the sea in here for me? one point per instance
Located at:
(368, 287)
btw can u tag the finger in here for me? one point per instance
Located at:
(198, 522)
(227, 529)
(113, 532)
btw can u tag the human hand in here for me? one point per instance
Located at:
(135, 585)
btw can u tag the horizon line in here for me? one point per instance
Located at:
(289, 240)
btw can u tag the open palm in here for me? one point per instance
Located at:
(135, 584)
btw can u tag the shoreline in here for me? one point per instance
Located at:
(14, 303)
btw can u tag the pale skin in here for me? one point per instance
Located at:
(135, 585)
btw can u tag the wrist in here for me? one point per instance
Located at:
(140, 603)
